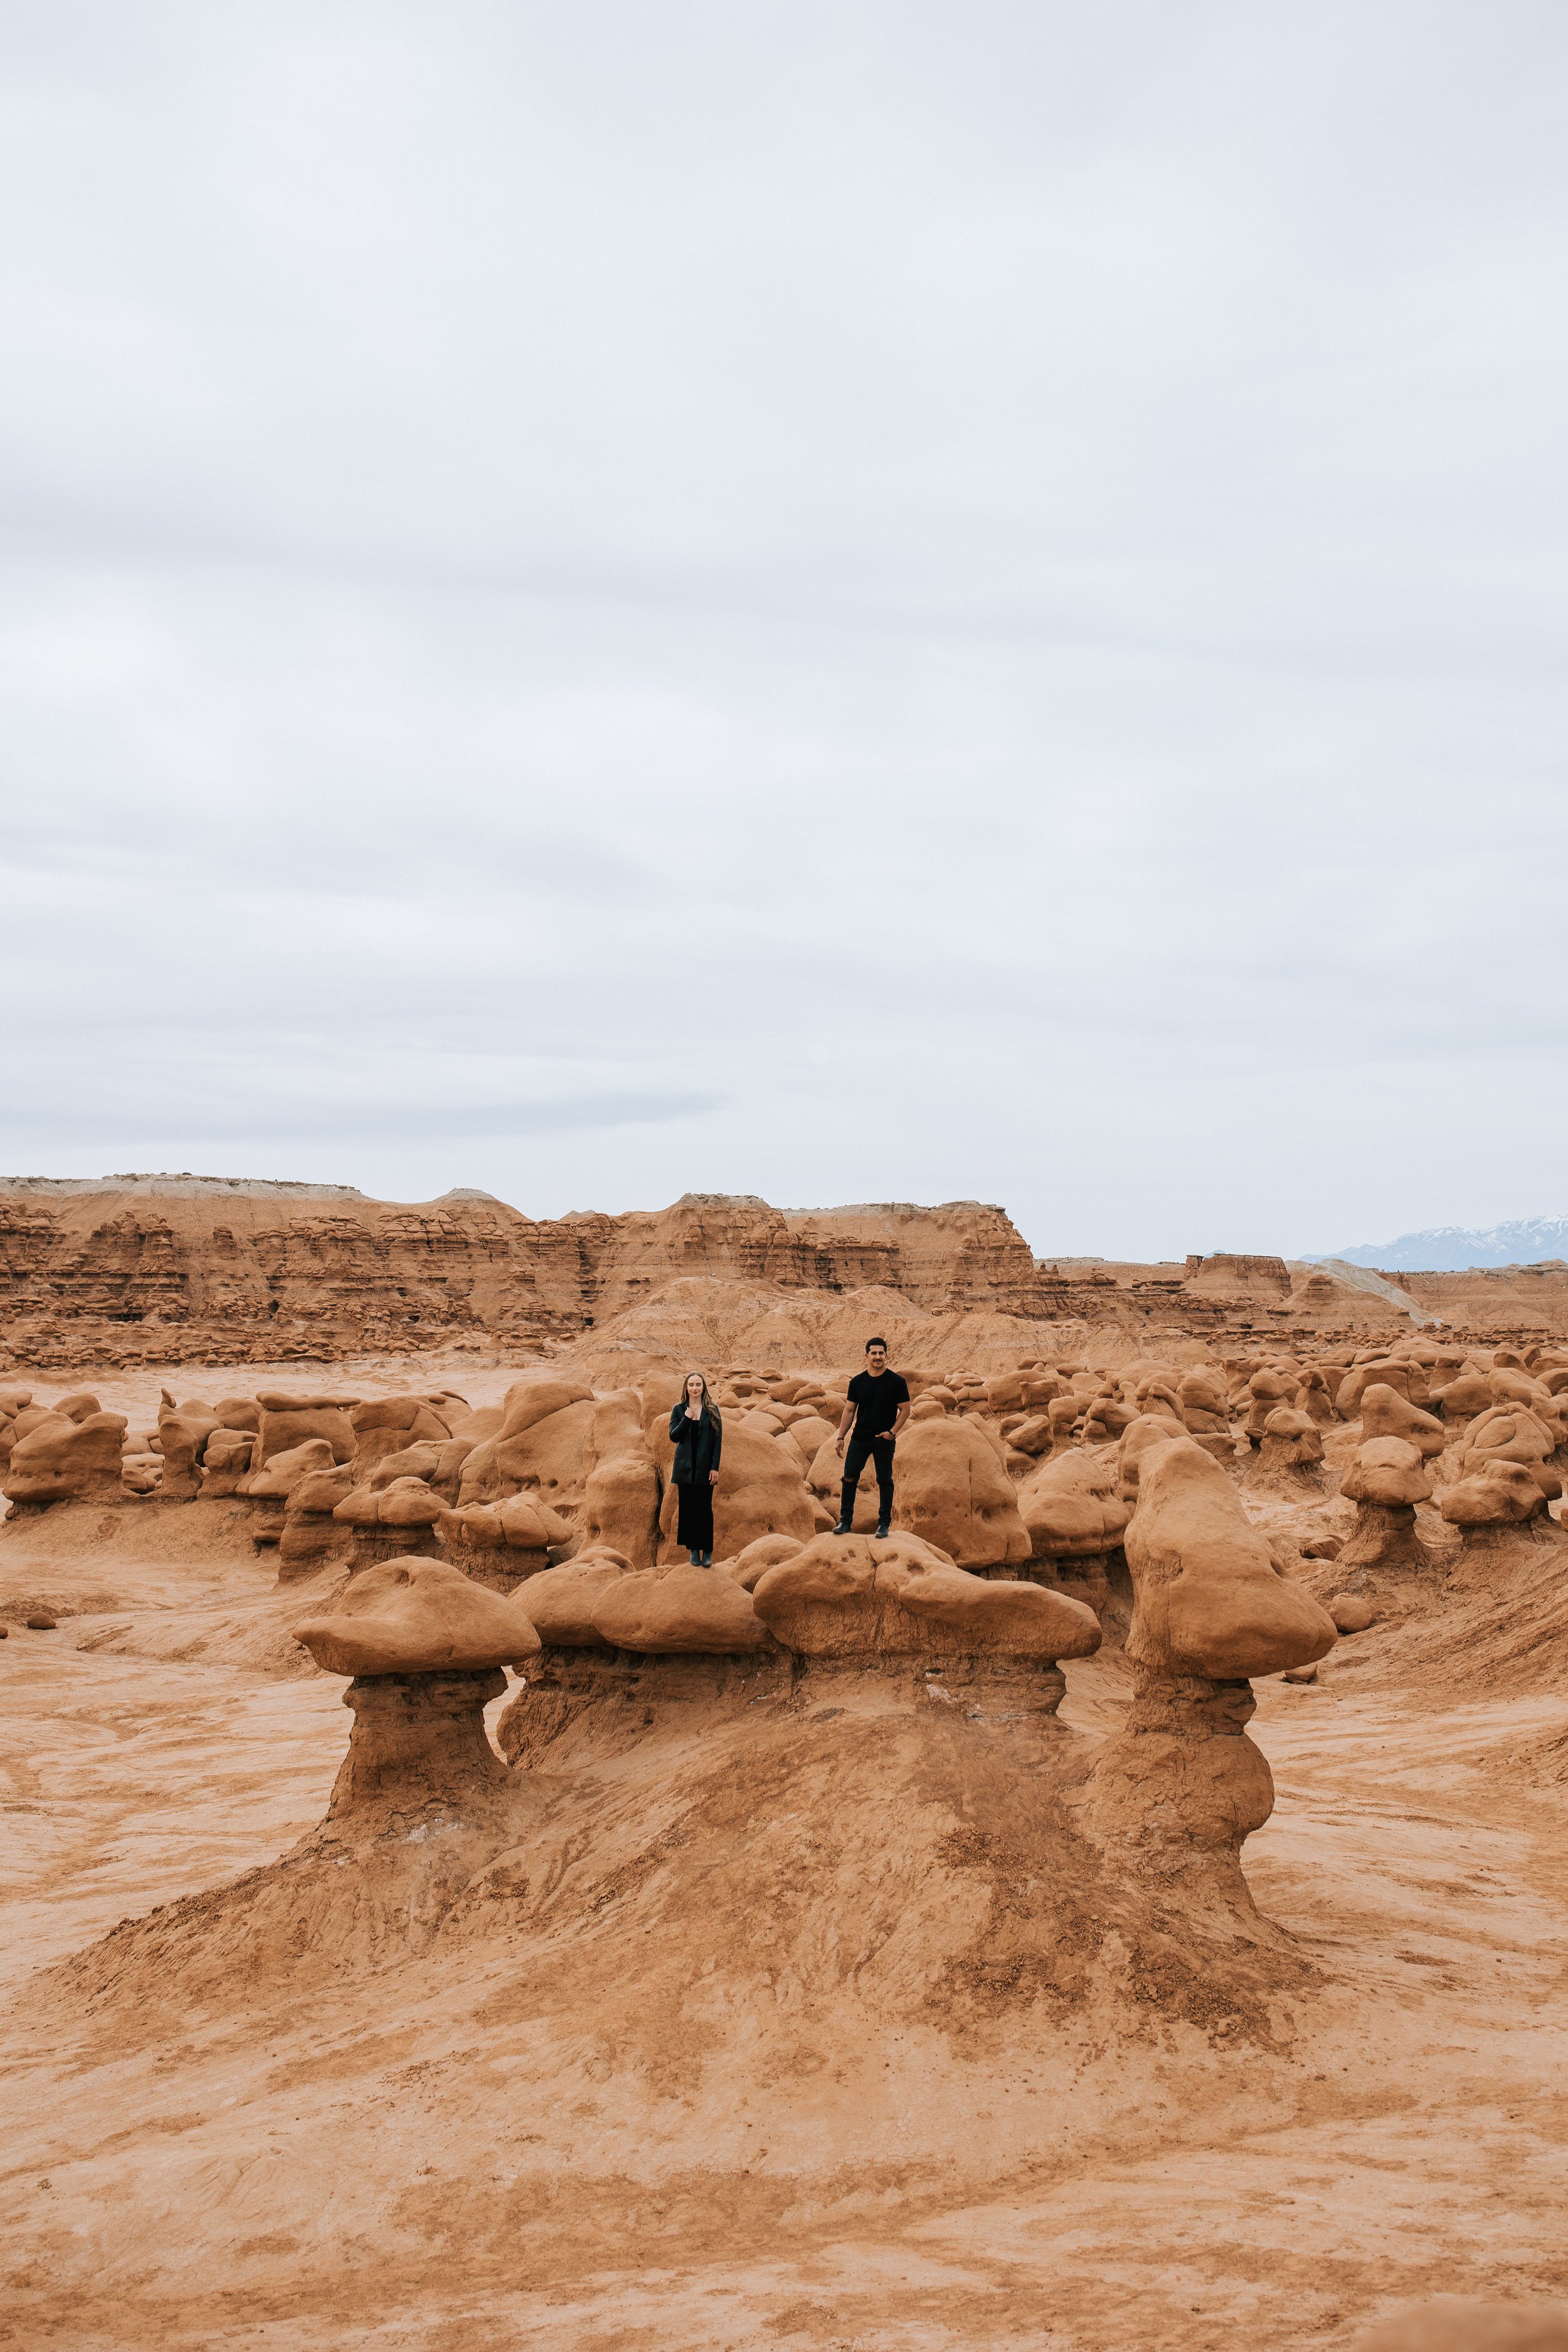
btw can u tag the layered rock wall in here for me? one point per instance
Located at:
(161, 1268)
(252, 1270)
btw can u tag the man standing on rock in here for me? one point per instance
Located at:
(878, 1406)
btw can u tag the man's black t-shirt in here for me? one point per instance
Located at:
(877, 1401)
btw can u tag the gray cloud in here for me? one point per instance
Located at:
(956, 603)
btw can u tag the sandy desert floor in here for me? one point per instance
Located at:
(418, 2160)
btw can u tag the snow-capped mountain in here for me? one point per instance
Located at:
(1449, 1249)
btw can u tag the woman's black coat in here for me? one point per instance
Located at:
(697, 1446)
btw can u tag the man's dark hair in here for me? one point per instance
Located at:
(876, 1343)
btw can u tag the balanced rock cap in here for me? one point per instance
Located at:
(687, 1610)
(1386, 1470)
(1499, 1494)
(417, 1616)
(839, 1591)
(1209, 1599)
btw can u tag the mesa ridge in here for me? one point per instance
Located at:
(160, 1269)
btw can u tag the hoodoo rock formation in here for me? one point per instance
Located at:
(425, 1645)
(900, 1606)
(1385, 1481)
(1212, 1609)
(69, 1455)
(658, 1912)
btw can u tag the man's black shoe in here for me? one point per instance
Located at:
(843, 1529)
(882, 1530)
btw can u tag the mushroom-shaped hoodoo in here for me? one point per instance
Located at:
(1406, 1379)
(1267, 1391)
(1384, 1413)
(1466, 1394)
(1212, 1607)
(1066, 1415)
(413, 1616)
(1315, 1396)
(1287, 1454)
(1515, 1433)
(503, 1544)
(183, 1432)
(426, 1645)
(227, 1458)
(1385, 1481)
(539, 1448)
(389, 1425)
(312, 1536)
(66, 1459)
(1210, 1599)
(1206, 1410)
(1149, 1429)
(275, 1481)
(267, 1489)
(391, 1522)
(1496, 1504)
(1106, 1415)
(1157, 1395)
(284, 1422)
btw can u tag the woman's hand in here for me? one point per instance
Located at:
(712, 1478)
(692, 1413)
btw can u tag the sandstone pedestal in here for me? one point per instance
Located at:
(1183, 1778)
(418, 1740)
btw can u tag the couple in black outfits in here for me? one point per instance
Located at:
(878, 1407)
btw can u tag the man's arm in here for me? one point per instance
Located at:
(902, 1416)
(845, 1425)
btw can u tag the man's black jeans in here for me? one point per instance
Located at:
(856, 1453)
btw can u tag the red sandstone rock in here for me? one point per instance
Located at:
(1211, 1600)
(1072, 1509)
(417, 1616)
(687, 1610)
(562, 1601)
(951, 1489)
(1384, 1413)
(844, 1595)
(63, 1460)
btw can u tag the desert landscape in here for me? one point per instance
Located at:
(785, 1566)
(1124, 1906)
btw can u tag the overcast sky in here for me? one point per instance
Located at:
(836, 601)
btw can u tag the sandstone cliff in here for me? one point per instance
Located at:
(169, 1268)
(150, 1266)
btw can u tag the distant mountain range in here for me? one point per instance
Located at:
(1449, 1249)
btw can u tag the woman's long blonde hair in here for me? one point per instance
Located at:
(708, 1405)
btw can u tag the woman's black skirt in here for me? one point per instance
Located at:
(694, 1526)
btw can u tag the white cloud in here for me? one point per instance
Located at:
(843, 602)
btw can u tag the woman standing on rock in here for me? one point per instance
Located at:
(696, 1432)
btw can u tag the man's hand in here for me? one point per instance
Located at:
(839, 1446)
